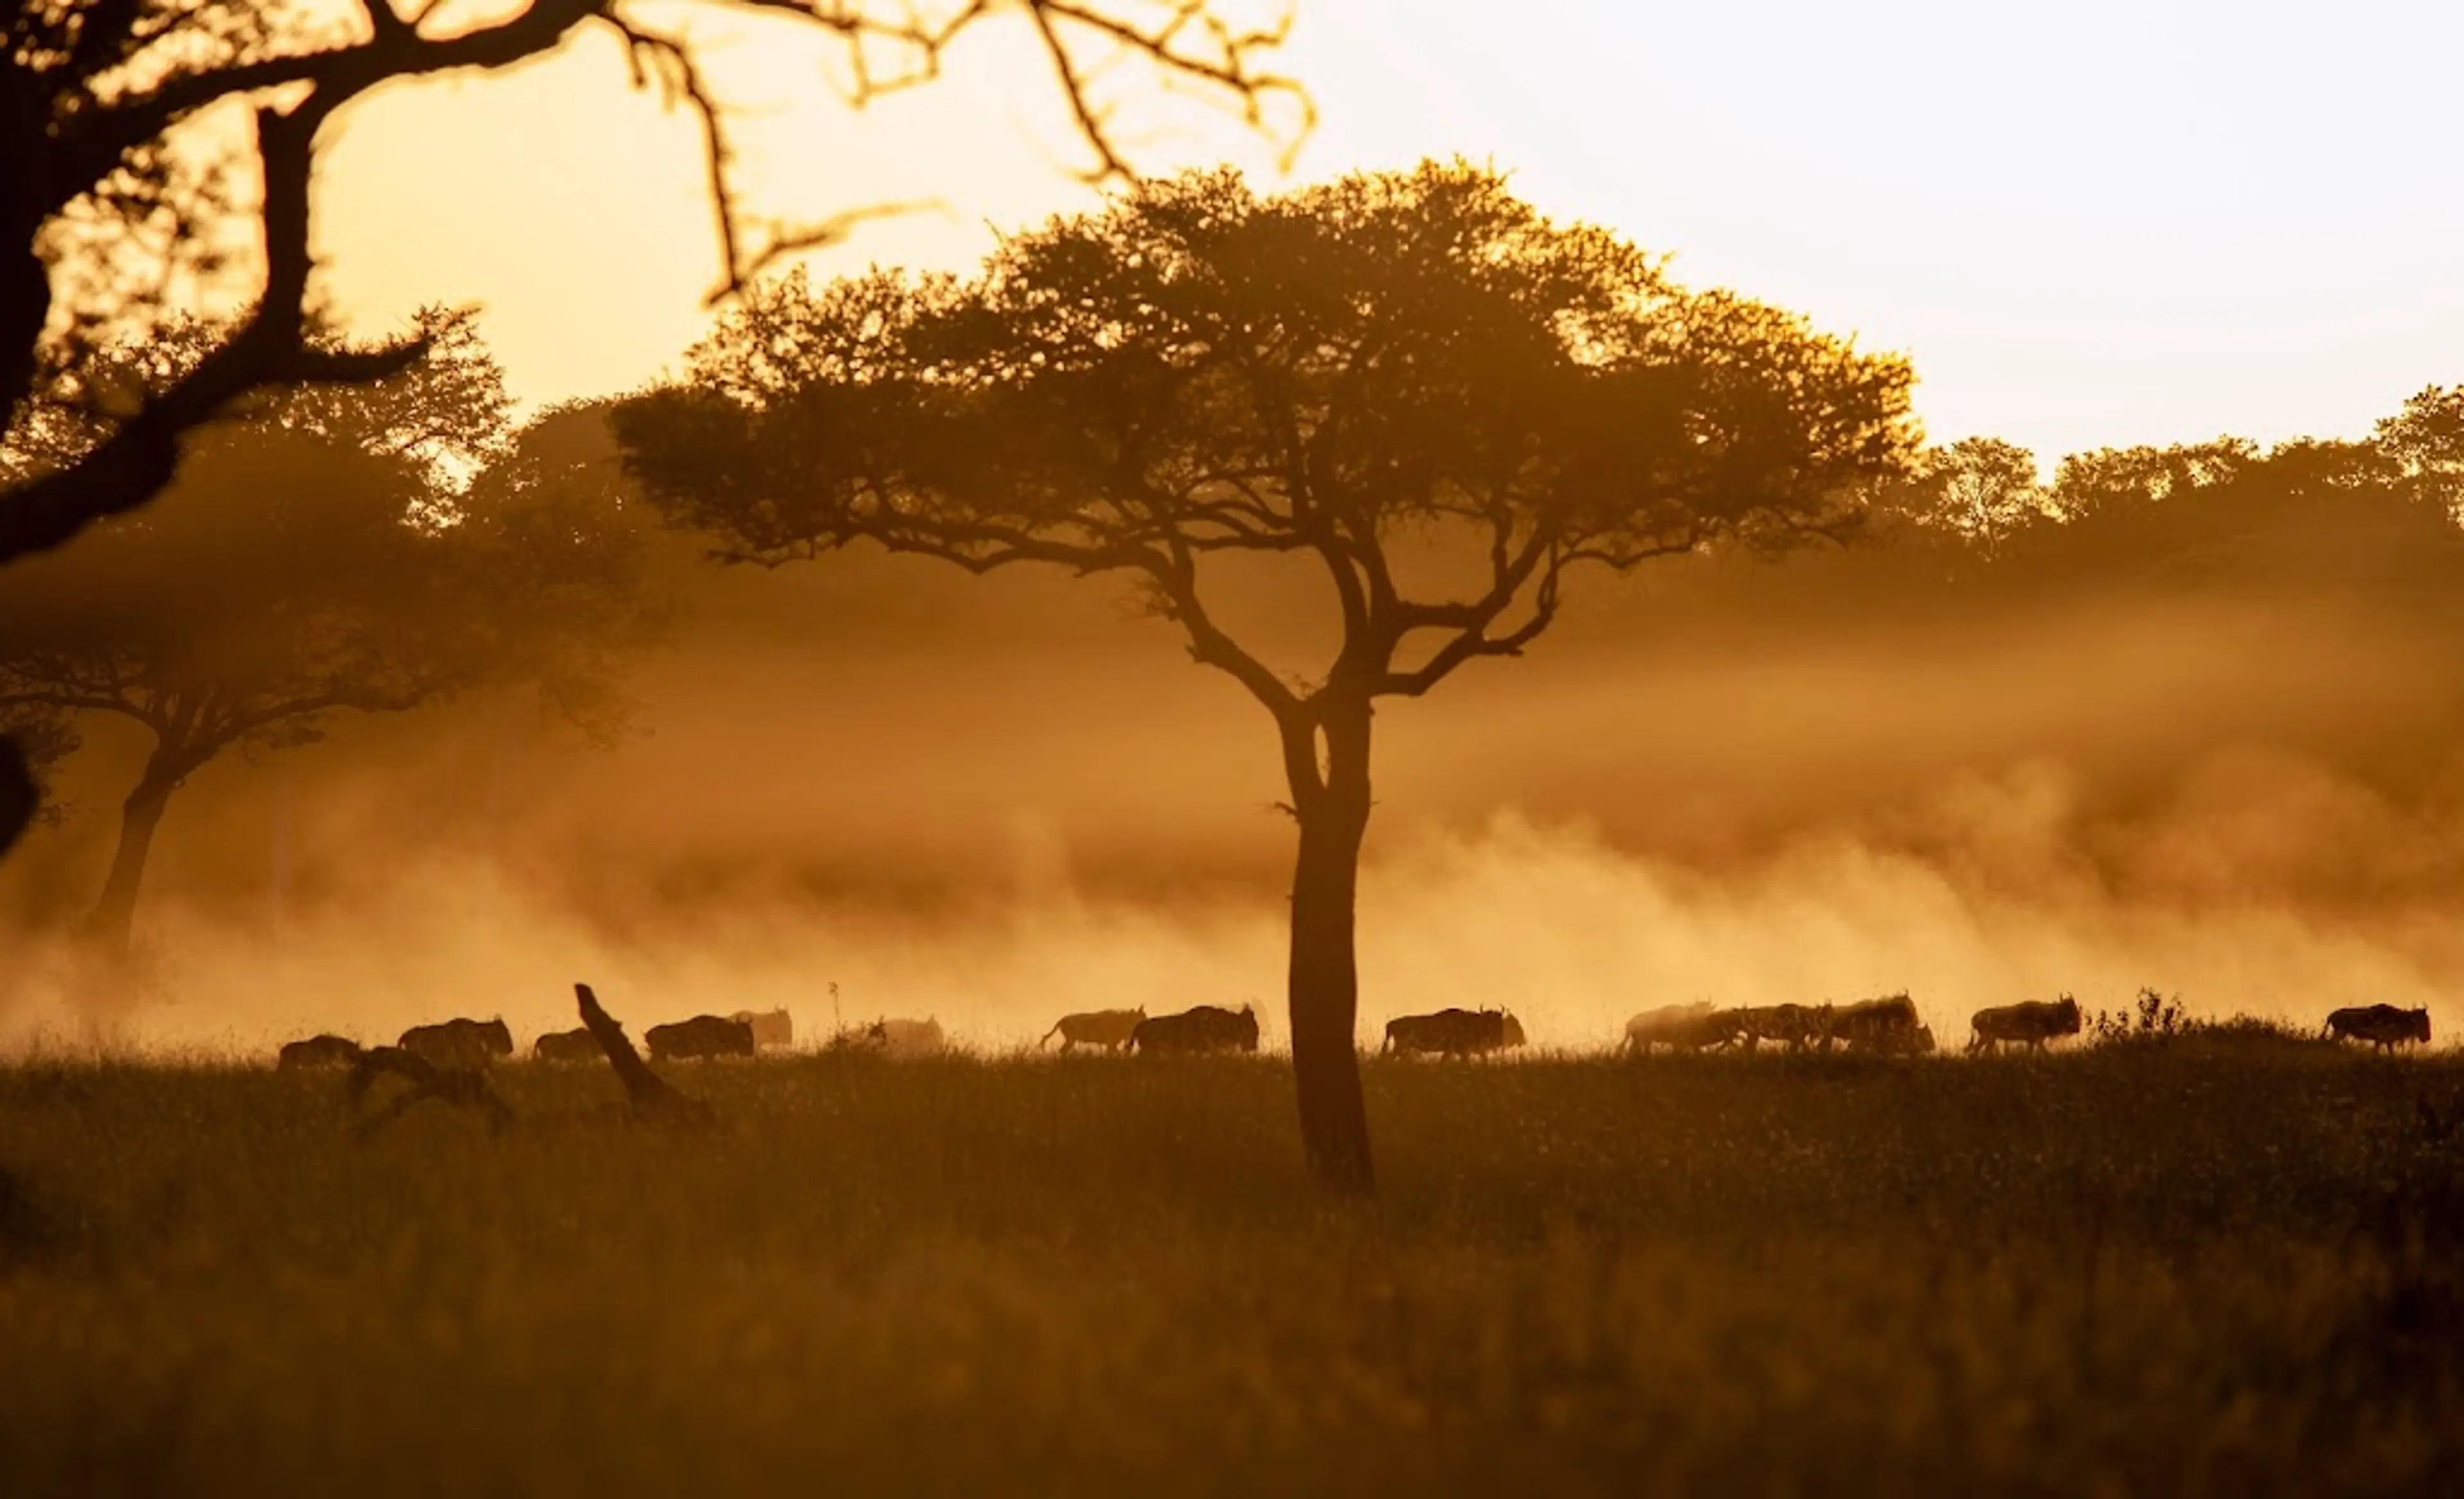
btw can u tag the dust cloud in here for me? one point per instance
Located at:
(995, 800)
(1551, 920)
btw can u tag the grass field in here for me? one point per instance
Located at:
(2191, 1267)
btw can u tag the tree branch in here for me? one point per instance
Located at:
(137, 461)
(1210, 646)
(1474, 640)
(91, 143)
(72, 702)
(100, 136)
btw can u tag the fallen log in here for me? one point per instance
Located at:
(653, 1100)
(457, 1086)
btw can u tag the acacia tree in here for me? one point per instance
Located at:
(118, 182)
(319, 558)
(2425, 441)
(1344, 376)
(1979, 490)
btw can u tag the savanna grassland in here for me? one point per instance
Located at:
(2182, 1267)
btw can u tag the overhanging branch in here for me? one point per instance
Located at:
(137, 461)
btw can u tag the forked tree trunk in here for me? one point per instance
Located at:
(1325, 978)
(108, 925)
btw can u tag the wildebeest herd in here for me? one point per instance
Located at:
(466, 1043)
(1888, 1025)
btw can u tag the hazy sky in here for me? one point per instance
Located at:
(2108, 222)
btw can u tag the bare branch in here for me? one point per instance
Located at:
(386, 25)
(97, 142)
(72, 702)
(784, 242)
(1474, 640)
(1210, 646)
(99, 136)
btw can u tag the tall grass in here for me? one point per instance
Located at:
(2179, 1270)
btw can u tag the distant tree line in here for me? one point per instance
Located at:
(2305, 508)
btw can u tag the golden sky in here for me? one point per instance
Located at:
(2109, 222)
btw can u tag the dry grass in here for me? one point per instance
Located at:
(2183, 1268)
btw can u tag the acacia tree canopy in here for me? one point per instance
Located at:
(1201, 371)
(1978, 491)
(318, 558)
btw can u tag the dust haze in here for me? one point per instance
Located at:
(994, 801)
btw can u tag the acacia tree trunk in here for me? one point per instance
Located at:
(1333, 815)
(19, 797)
(108, 925)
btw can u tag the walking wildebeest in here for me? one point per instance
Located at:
(702, 1036)
(317, 1051)
(771, 1028)
(1681, 1027)
(1795, 1026)
(1195, 1032)
(867, 1040)
(2382, 1025)
(1888, 1024)
(1108, 1030)
(567, 1046)
(2031, 1022)
(905, 1040)
(1668, 1026)
(1453, 1033)
(459, 1043)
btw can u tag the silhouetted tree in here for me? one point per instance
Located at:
(116, 183)
(1978, 489)
(107, 196)
(325, 556)
(2085, 483)
(1410, 382)
(2425, 441)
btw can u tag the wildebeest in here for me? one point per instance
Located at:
(317, 1052)
(702, 1036)
(771, 1028)
(1888, 1024)
(869, 1040)
(1108, 1029)
(2382, 1025)
(567, 1046)
(1453, 1033)
(1681, 1027)
(446, 1082)
(905, 1039)
(459, 1043)
(2031, 1022)
(1668, 1024)
(1795, 1026)
(1195, 1032)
